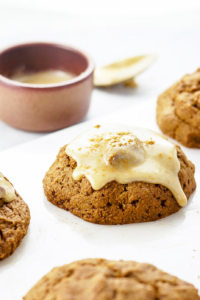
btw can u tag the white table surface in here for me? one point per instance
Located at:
(56, 237)
(172, 31)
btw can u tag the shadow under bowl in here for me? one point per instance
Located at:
(44, 107)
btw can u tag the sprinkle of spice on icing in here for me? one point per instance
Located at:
(126, 154)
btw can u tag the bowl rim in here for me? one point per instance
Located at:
(88, 71)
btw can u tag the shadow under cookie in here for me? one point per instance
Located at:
(160, 232)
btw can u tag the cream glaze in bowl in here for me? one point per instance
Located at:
(49, 107)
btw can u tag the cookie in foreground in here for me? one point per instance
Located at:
(102, 279)
(14, 218)
(118, 174)
(178, 111)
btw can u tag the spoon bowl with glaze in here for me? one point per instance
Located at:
(122, 71)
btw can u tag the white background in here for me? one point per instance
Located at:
(108, 30)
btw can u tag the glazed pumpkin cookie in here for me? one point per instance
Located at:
(101, 279)
(14, 218)
(116, 174)
(178, 111)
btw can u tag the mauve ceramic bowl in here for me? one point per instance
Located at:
(44, 107)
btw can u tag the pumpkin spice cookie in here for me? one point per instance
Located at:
(178, 111)
(101, 279)
(14, 218)
(116, 174)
